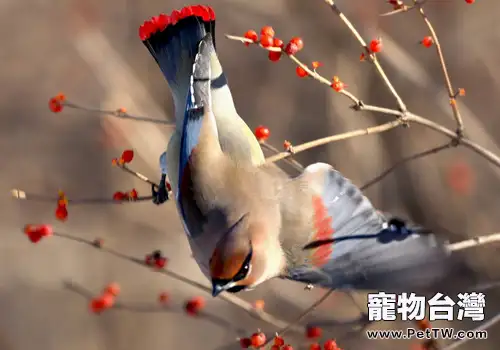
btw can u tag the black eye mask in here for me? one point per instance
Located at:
(241, 274)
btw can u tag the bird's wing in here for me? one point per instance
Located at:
(350, 244)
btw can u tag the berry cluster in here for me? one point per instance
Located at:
(258, 340)
(277, 48)
(131, 195)
(126, 157)
(156, 259)
(106, 300)
(56, 103)
(36, 233)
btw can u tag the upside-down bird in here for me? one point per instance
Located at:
(248, 222)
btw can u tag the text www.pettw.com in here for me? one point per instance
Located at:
(430, 333)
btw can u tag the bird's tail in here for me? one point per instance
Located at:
(173, 42)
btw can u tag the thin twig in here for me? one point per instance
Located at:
(295, 164)
(230, 298)
(22, 195)
(404, 161)
(373, 57)
(447, 80)
(403, 8)
(117, 114)
(138, 175)
(144, 307)
(401, 114)
(347, 135)
(474, 242)
(306, 312)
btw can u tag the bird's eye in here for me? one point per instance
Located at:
(245, 268)
(242, 273)
(236, 289)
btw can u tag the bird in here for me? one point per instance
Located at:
(247, 221)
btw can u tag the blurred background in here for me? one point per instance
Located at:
(90, 50)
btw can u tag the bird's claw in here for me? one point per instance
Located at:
(159, 193)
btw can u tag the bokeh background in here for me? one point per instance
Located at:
(90, 50)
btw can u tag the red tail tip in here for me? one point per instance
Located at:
(161, 22)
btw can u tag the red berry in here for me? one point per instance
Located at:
(101, 303)
(262, 133)
(61, 213)
(163, 298)
(34, 236)
(376, 45)
(460, 177)
(287, 347)
(45, 230)
(133, 194)
(194, 306)
(267, 30)
(427, 41)
(119, 196)
(313, 332)
(113, 289)
(96, 305)
(337, 85)
(330, 344)
(470, 1)
(294, 46)
(160, 262)
(108, 300)
(252, 35)
(245, 343)
(266, 40)
(274, 56)
(298, 41)
(278, 43)
(55, 105)
(301, 72)
(148, 260)
(127, 155)
(258, 339)
(275, 347)
(291, 49)
(315, 346)
(279, 341)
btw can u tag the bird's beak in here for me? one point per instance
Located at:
(217, 289)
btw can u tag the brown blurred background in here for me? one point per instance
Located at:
(90, 50)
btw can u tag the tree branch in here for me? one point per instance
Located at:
(372, 57)
(451, 93)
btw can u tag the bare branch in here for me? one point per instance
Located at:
(230, 298)
(372, 57)
(119, 113)
(475, 242)
(447, 80)
(404, 161)
(355, 133)
(295, 164)
(306, 312)
(22, 195)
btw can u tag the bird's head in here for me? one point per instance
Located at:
(240, 260)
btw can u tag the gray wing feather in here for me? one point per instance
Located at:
(414, 263)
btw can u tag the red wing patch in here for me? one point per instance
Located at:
(323, 227)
